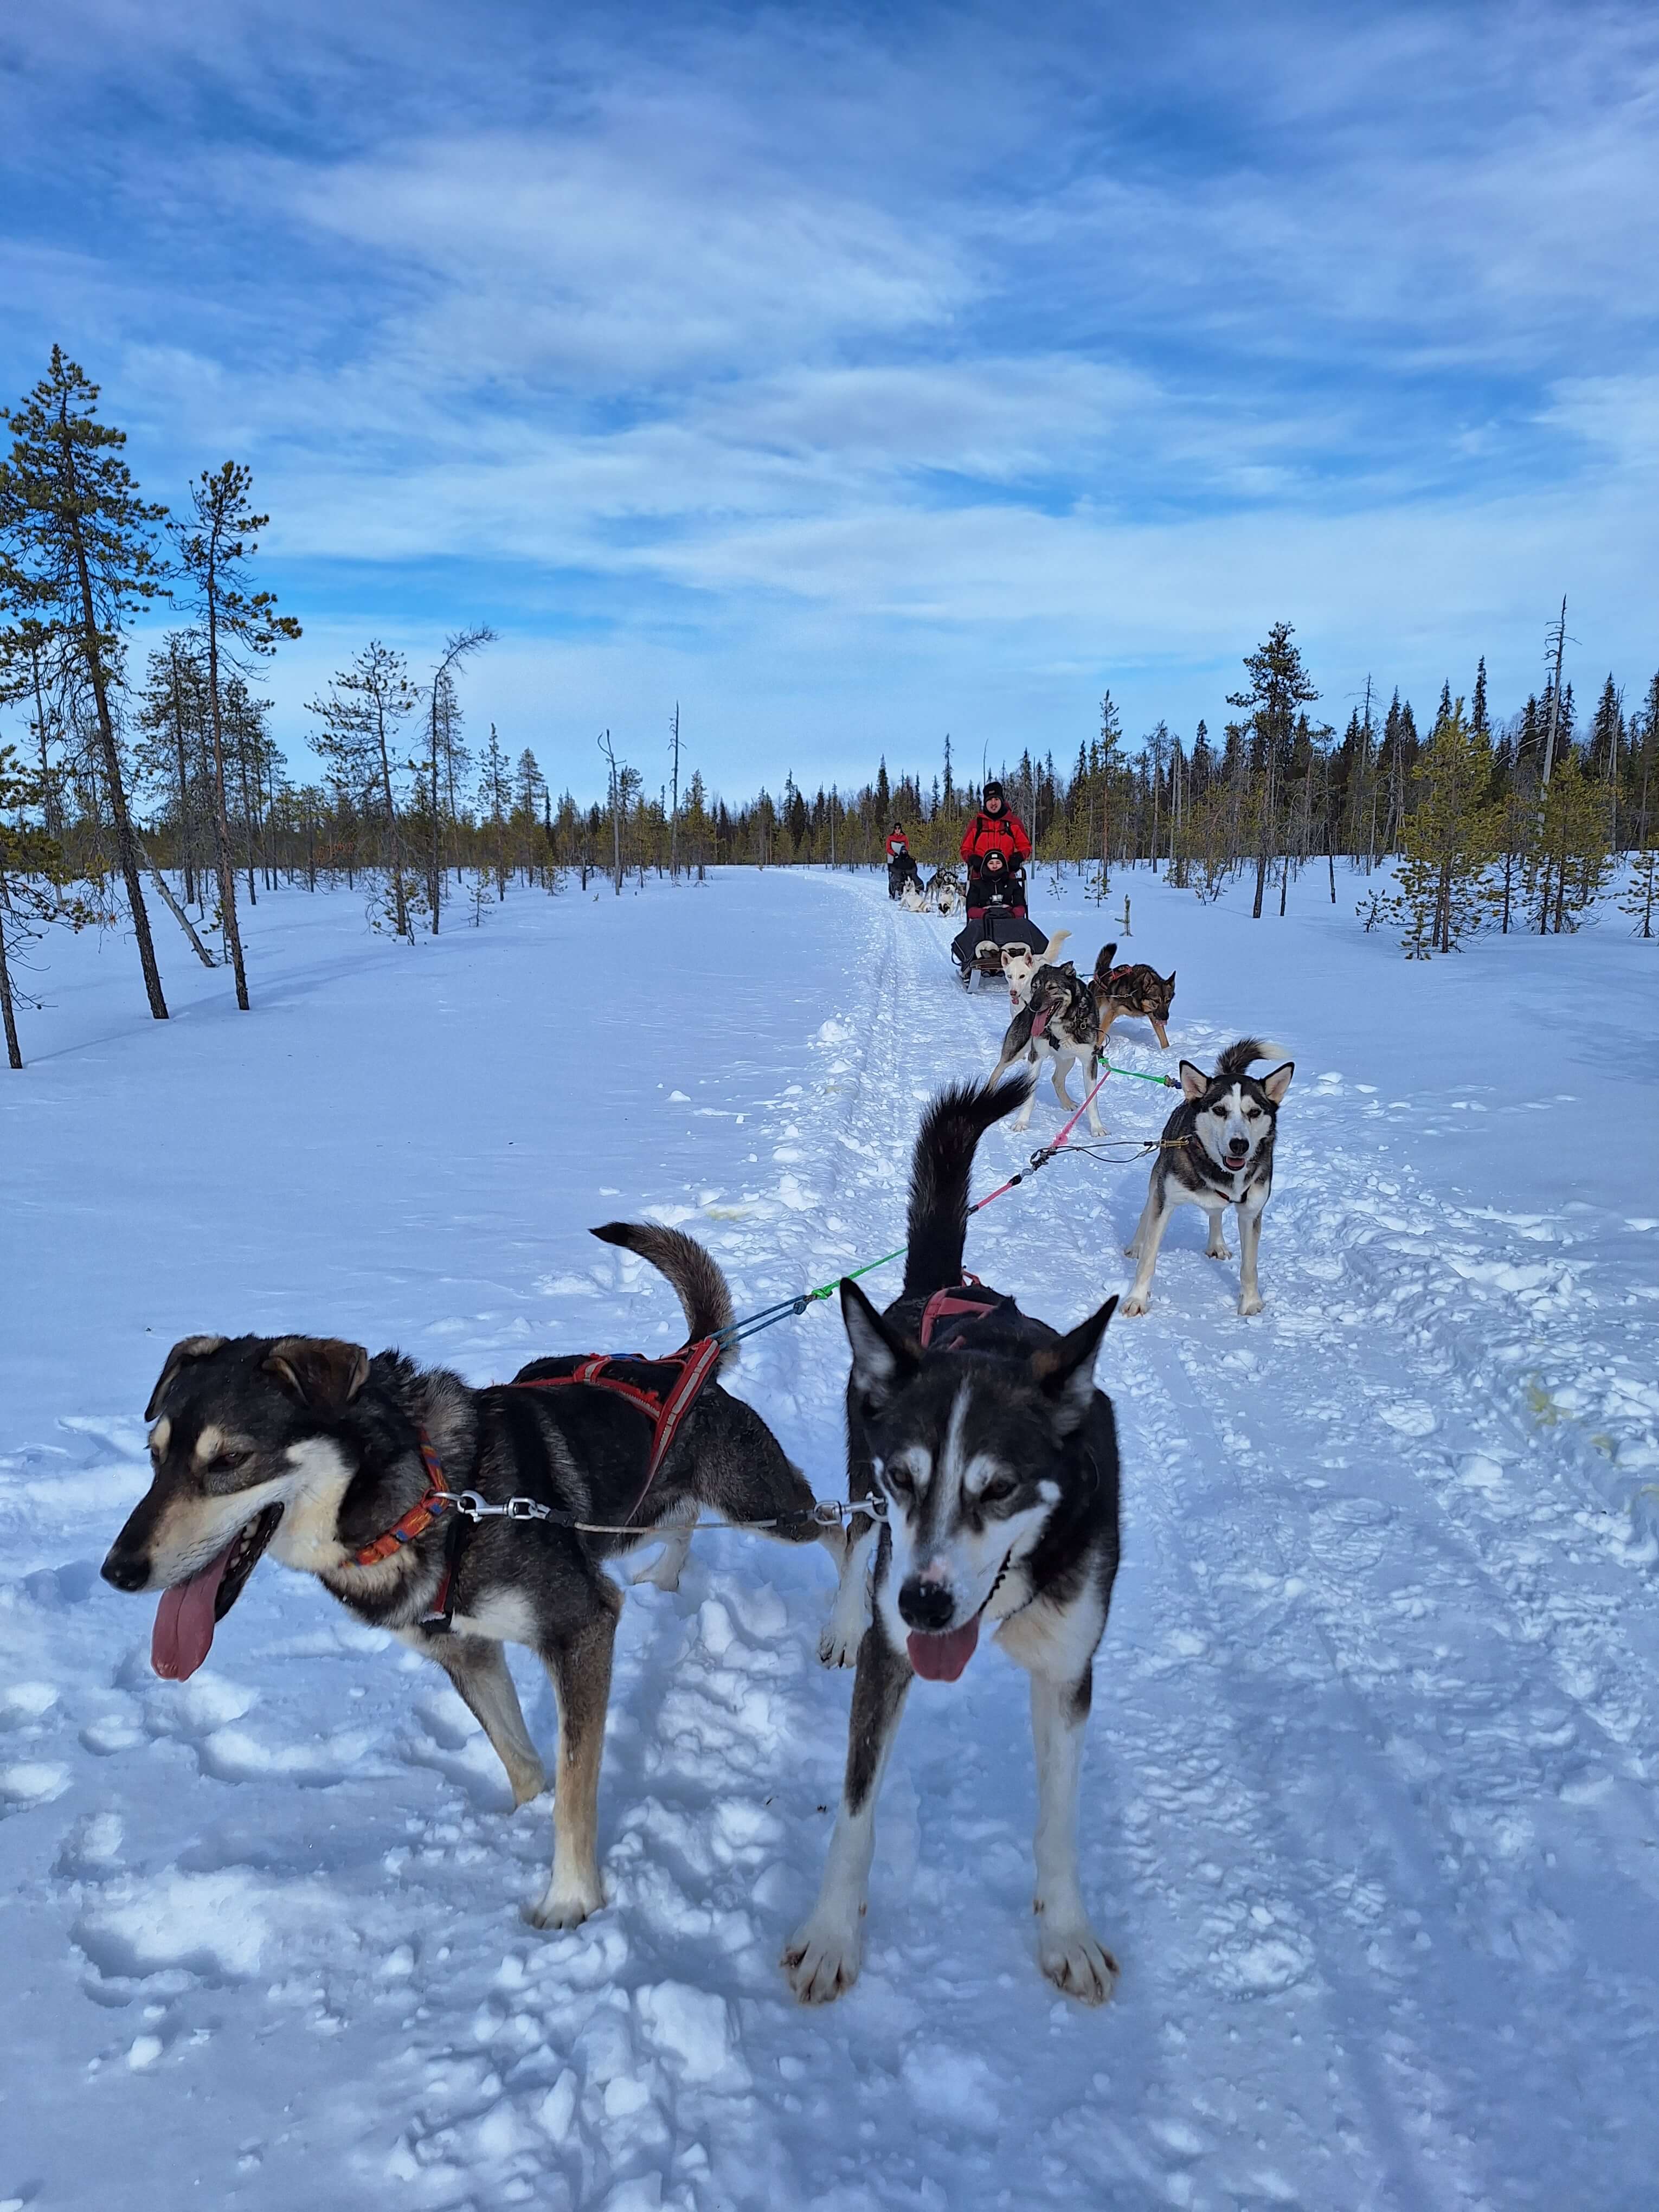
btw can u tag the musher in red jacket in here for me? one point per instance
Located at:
(902, 867)
(996, 848)
(993, 829)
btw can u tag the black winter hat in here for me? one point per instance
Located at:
(993, 789)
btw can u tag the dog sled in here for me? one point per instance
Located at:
(977, 948)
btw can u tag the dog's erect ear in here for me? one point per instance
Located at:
(1168, 983)
(883, 1363)
(1065, 1370)
(188, 1347)
(1194, 1081)
(322, 1372)
(1278, 1082)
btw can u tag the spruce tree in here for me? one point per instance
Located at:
(1278, 685)
(1640, 896)
(81, 556)
(1479, 727)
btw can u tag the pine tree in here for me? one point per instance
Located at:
(235, 620)
(446, 754)
(366, 706)
(1569, 856)
(80, 545)
(33, 880)
(1447, 843)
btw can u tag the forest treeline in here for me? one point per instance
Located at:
(138, 770)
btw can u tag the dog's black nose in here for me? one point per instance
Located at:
(126, 1571)
(926, 1606)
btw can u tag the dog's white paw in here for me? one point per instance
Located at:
(838, 1645)
(664, 1571)
(567, 1906)
(822, 1959)
(1248, 1306)
(1075, 1960)
(1134, 1304)
(1217, 1252)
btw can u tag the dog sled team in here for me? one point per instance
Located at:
(981, 1471)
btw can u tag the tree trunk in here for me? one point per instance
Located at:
(400, 908)
(227, 872)
(126, 844)
(178, 913)
(14, 1050)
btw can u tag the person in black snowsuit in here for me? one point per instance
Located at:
(996, 909)
(901, 862)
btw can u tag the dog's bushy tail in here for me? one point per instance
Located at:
(1103, 960)
(704, 1295)
(943, 1159)
(1236, 1059)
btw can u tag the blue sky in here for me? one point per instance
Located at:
(855, 374)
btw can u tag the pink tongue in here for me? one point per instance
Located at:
(183, 1634)
(942, 1658)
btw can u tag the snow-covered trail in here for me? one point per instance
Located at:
(1369, 1806)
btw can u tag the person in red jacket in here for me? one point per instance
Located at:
(901, 862)
(993, 830)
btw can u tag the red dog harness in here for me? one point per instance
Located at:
(665, 1390)
(959, 1308)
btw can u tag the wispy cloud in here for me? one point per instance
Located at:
(863, 375)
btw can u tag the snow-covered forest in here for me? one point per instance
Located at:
(135, 763)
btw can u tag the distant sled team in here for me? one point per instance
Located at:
(982, 1467)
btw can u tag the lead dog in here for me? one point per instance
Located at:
(1021, 961)
(1057, 1027)
(994, 1460)
(1217, 1152)
(312, 1448)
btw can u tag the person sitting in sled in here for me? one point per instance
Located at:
(996, 902)
(901, 862)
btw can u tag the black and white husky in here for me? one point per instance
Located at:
(330, 1458)
(1217, 1152)
(1056, 1026)
(994, 1462)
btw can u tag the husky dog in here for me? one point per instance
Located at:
(1134, 989)
(1217, 1152)
(901, 871)
(944, 889)
(912, 898)
(995, 1459)
(1021, 961)
(311, 1447)
(1058, 1025)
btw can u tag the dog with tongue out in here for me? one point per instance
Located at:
(990, 1460)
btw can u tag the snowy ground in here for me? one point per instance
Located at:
(1369, 1815)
